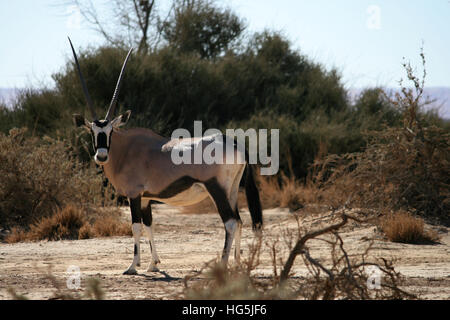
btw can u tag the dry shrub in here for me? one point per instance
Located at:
(110, 226)
(405, 228)
(72, 223)
(85, 232)
(287, 193)
(344, 276)
(40, 176)
(41, 180)
(404, 167)
(64, 224)
(17, 235)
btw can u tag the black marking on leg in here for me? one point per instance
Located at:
(135, 207)
(135, 250)
(147, 218)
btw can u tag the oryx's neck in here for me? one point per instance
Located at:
(118, 142)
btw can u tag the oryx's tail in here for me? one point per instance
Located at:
(252, 194)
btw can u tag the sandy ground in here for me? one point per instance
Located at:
(185, 242)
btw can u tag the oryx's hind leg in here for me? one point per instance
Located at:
(148, 226)
(136, 220)
(230, 217)
(237, 237)
(233, 192)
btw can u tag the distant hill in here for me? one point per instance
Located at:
(441, 95)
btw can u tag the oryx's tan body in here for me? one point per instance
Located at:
(140, 165)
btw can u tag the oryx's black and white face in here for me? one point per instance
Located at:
(101, 133)
(101, 130)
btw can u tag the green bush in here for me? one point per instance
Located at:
(168, 89)
(203, 28)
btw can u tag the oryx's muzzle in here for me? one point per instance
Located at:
(101, 156)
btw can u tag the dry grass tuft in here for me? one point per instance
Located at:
(72, 223)
(405, 228)
(17, 235)
(110, 226)
(64, 224)
(289, 193)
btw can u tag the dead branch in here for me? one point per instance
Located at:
(299, 246)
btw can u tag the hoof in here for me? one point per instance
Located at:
(153, 269)
(130, 272)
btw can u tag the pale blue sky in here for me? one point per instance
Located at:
(365, 40)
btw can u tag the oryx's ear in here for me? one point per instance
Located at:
(81, 121)
(121, 120)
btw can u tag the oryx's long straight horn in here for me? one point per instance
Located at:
(112, 106)
(83, 83)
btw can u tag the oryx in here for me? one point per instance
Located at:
(138, 164)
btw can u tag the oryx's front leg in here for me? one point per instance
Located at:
(148, 226)
(136, 219)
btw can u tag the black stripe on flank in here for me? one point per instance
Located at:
(173, 189)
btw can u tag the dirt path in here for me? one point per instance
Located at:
(184, 243)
